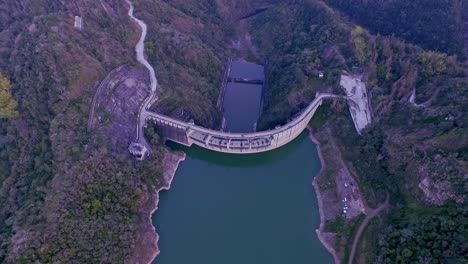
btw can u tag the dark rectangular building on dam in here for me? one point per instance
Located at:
(243, 96)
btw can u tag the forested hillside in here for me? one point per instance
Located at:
(299, 39)
(434, 25)
(68, 195)
(416, 148)
(186, 47)
(64, 196)
(188, 44)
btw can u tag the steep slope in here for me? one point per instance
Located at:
(73, 194)
(415, 150)
(70, 195)
(434, 25)
(65, 195)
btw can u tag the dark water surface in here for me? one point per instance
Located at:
(243, 69)
(242, 105)
(243, 101)
(232, 209)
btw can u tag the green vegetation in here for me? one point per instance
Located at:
(103, 210)
(366, 249)
(397, 152)
(7, 103)
(336, 226)
(320, 116)
(298, 39)
(149, 49)
(345, 230)
(431, 238)
(432, 63)
(360, 43)
(67, 195)
(435, 25)
(405, 144)
(186, 48)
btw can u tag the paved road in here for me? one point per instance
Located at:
(140, 51)
(371, 214)
(317, 100)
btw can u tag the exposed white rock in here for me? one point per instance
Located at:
(358, 100)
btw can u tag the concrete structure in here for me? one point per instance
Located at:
(78, 22)
(236, 143)
(138, 150)
(358, 101)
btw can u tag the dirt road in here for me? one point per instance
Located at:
(371, 214)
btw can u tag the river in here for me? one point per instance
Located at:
(258, 209)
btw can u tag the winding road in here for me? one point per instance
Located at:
(140, 55)
(372, 213)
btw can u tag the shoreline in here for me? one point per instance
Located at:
(318, 194)
(168, 175)
(147, 247)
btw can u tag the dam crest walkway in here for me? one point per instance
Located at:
(187, 133)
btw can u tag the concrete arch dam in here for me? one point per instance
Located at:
(235, 143)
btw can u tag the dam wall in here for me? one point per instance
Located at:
(235, 143)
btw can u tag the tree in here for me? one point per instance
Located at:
(149, 48)
(7, 103)
(359, 39)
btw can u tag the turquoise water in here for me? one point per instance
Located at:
(231, 209)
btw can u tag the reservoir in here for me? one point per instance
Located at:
(242, 209)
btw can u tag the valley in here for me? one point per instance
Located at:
(74, 94)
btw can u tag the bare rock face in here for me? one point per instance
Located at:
(438, 178)
(438, 192)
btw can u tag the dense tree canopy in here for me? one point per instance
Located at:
(67, 195)
(432, 239)
(435, 25)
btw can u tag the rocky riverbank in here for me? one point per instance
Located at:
(146, 250)
(327, 239)
(340, 200)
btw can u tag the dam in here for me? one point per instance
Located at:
(188, 133)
